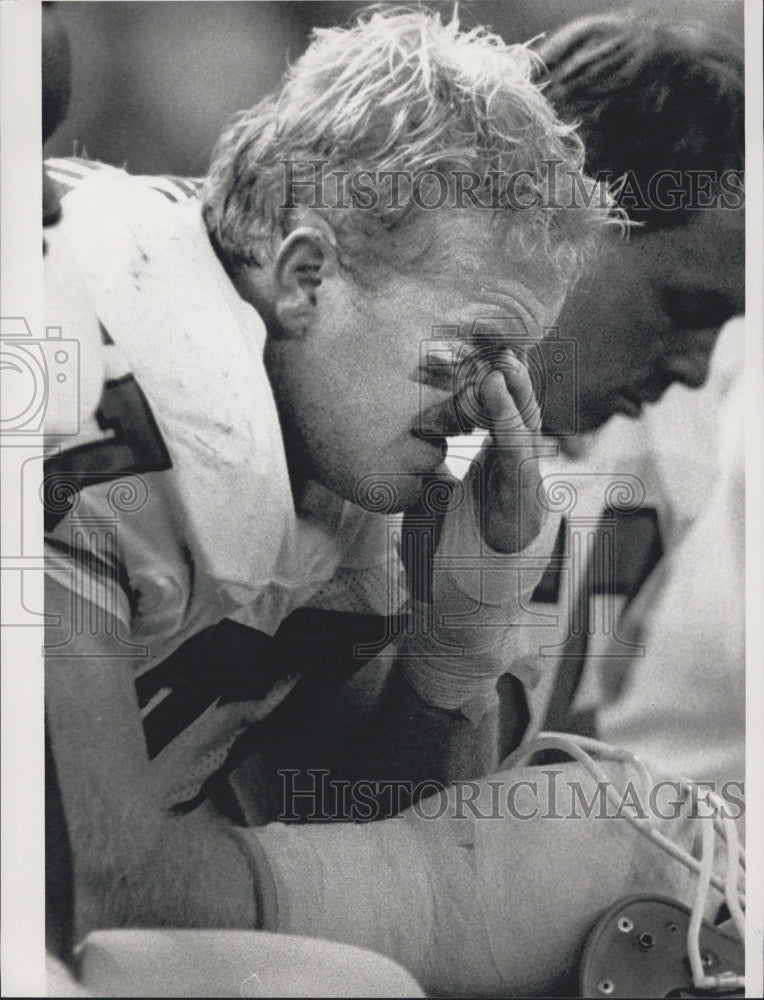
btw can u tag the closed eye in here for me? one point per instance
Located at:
(439, 365)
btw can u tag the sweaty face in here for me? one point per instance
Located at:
(368, 394)
(649, 314)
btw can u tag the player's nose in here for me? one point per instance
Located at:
(690, 363)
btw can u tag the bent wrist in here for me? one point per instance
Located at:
(485, 575)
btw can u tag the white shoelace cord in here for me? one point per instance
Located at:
(580, 748)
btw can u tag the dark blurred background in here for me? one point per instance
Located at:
(153, 82)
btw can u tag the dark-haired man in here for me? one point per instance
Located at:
(660, 107)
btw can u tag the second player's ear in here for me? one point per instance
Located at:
(302, 263)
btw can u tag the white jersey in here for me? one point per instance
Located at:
(656, 627)
(681, 705)
(172, 509)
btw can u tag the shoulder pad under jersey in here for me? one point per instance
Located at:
(184, 356)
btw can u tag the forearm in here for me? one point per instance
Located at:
(191, 873)
(134, 863)
(463, 632)
(416, 741)
(373, 737)
(137, 865)
(436, 718)
(481, 891)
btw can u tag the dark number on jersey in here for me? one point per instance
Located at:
(136, 447)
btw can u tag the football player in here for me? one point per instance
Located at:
(226, 529)
(660, 106)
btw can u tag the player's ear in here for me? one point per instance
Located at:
(302, 263)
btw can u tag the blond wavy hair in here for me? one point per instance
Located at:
(399, 90)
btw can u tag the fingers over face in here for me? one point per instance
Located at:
(502, 395)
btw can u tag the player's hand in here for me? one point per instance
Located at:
(508, 465)
(457, 646)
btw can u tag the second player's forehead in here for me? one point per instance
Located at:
(707, 240)
(706, 253)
